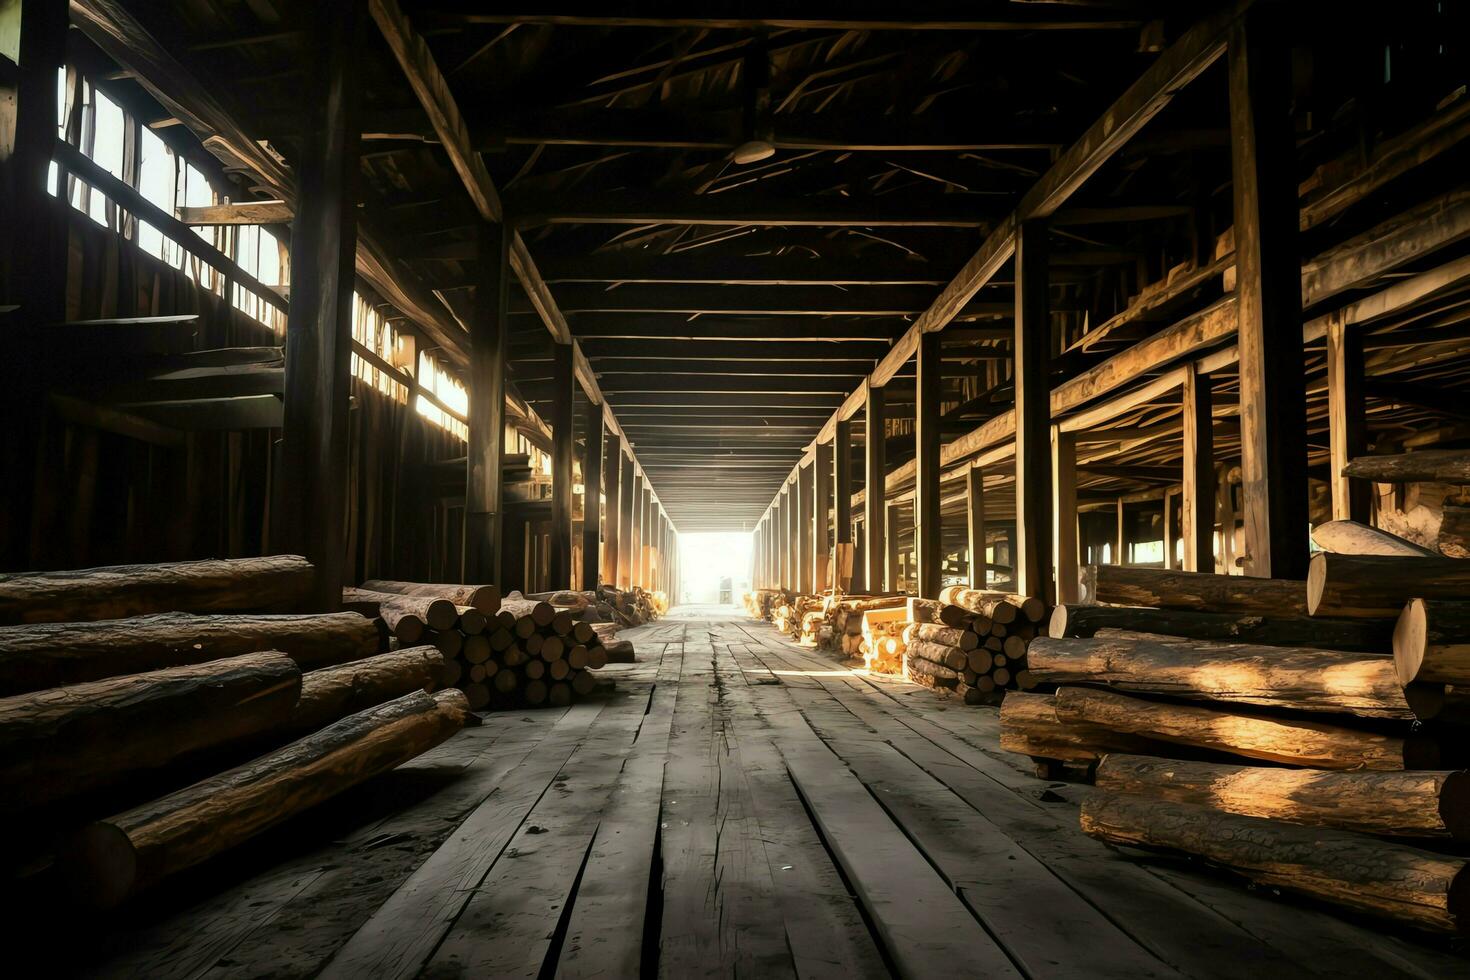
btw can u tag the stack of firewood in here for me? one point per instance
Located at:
(1187, 693)
(972, 642)
(120, 687)
(502, 653)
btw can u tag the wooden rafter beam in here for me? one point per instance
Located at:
(823, 211)
(735, 15)
(890, 301)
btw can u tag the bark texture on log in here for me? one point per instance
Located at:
(435, 613)
(1029, 726)
(1298, 743)
(1395, 804)
(40, 655)
(948, 636)
(951, 657)
(1290, 631)
(113, 858)
(1425, 466)
(335, 692)
(276, 582)
(1431, 643)
(1419, 888)
(1363, 684)
(999, 607)
(1377, 586)
(485, 598)
(1353, 538)
(1202, 591)
(63, 742)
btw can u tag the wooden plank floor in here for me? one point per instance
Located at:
(739, 806)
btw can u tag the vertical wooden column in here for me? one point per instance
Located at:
(1033, 414)
(1268, 290)
(1197, 494)
(804, 528)
(793, 537)
(592, 498)
(613, 527)
(780, 546)
(842, 489)
(821, 517)
(645, 536)
(310, 513)
(635, 541)
(1120, 542)
(890, 552)
(564, 393)
(483, 529)
(975, 514)
(1167, 526)
(628, 490)
(928, 540)
(1064, 512)
(876, 491)
(1347, 421)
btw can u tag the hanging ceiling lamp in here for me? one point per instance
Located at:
(759, 134)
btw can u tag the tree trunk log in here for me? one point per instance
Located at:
(1289, 741)
(930, 674)
(952, 657)
(1377, 586)
(539, 613)
(63, 742)
(1431, 643)
(41, 655)
(1201, 591)
(998, 607)
(485, 598)
(1353, 538)
(1029, 726)
(1418, 888)
(946, 636)
(1362, 684)
(113, 858)
(436, 614)
(1425, 466)
(1394, 804)
(1291, 631)
(277, 582)
(336, 692)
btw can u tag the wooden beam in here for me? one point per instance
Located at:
(732, 15)
(631, 488)
(891, 572)
(842, 481)
(484, 520)
(239, 213)
(821, 518)
(1269, 291)
(613, 528)
(1347, 421)
(805, 496)
(592, 534)
(975, 525)
(927, 529)
(635, 326)
(731, 300)
(1033, 414)
(875, 448)
(734, 210)
(1064, 512)
(1197, 496)
(309, 515)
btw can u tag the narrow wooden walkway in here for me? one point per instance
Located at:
(739, 807)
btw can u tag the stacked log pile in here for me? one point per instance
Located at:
(161, 673)
(973, 642)
(1282, 729)
(523, 652)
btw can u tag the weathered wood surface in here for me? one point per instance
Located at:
(1377, 586)
(1431, 642)
(277, 582)
(952, 657)
(999, 607)
(335, 692)
(1290, 631)
(1395, 804)
(1403, 884)
(113, 858)
(1423, 466)
(1303, 679)
(1201, 591)
(34, 656)
(62, 742)
(1353, 538)
(949, 636)
(400, 611)
(1289, 741)
(1029, 726)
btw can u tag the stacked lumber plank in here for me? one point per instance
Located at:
(1187, 693)
(524, 652)
(161, 673)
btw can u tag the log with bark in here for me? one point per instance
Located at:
(335, 692)
(36, 656)
(1202, 591)
(1431, 642)
(114, 858)
(406, 615)
(917, 670)
(1394, 804)
(990, 604)
(952, 657)
(950, 636)
(1353, 538)
(1424, 466)
(1029, 726)
(485, 598)
(1288, 631)
(1302, 679)
(1377, 586)
(272, 583)
(1404, 884)
(67, 741)
(1284, 740)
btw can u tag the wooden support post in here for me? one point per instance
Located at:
(804, 527)
(1225, 507)
(1197, 496)
(875, 491)
(792, 556)
(928, 539)
(1120, 542)
(1167, 527)
(646, 537)
(563, 397)
(822, 518)
(592, 498)
(975, 510)
(628, 491)
(635, 541)
(1268, 288)
(612, 489)
(483, 453)
(310, 513)
(842, 480)
(1347, 421)
(1064, 513)
(891, 572)
(1033, 414)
